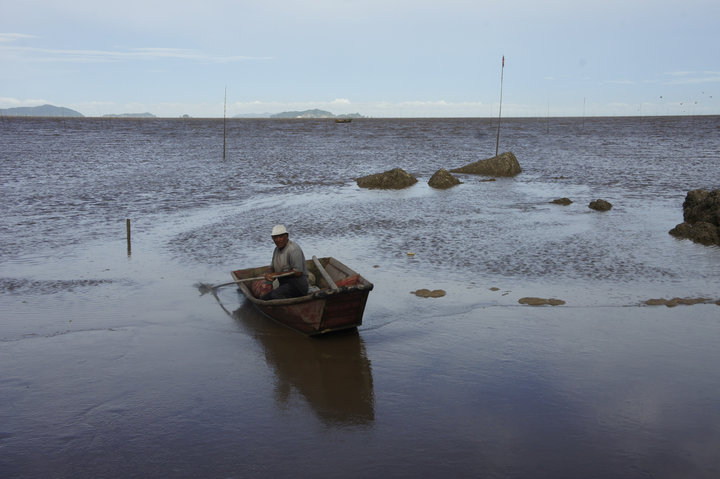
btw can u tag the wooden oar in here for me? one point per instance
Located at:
(325, 274)
(206, 288)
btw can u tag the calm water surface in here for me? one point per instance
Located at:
(114, 365)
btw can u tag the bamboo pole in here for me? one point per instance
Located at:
(497, 140)
(224, 121)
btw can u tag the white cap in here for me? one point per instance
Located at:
(278, 230)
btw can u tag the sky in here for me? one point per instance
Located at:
(379, 58)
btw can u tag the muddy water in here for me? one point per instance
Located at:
(114, 365)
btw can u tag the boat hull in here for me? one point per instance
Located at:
(323, 311)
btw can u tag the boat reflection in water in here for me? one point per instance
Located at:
(331, 372)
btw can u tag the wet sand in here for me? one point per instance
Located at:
(118, 366)
(143, 376)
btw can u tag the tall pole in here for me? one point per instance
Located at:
(548, 117)
(224, 121)
(502, 72)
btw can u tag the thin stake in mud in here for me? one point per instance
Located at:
(127, 228)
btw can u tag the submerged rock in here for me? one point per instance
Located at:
(395, 179)
(562, 201)
(670, 303)
(442, 179)
(505, 164)
(701, 212)
(600, 205)
(531, 301)
(426, 293)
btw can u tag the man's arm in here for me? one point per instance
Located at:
(296, 260)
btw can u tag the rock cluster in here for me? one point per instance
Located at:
(442, 179)
(505, 164)
(701, 214)
(395, 179)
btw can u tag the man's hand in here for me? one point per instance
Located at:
(271, 276)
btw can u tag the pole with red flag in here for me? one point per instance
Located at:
(497, 141)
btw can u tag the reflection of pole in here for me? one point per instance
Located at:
(224, 121)
(502, 71)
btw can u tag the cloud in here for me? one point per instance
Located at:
(420, 108)
(619, 82)
(33, 54)
(691, 77)
(12, 37)
(9, 102)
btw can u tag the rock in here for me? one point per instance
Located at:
(442, 179)
(561, 201)
(600, 205)
(701, 232)
(656, 302)
(702, 205)
(701, 212)
(505, 164)
(671, 303)
(426, 293)
(541, 301)
(395, 179)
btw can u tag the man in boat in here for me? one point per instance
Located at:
(287, 257)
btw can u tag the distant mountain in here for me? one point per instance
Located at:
(130, 115)
(45, 110)
(313, 114)
(350, 115)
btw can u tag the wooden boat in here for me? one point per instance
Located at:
(343, 120)
(336, 302)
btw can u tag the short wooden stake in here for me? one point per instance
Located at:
(127, 226)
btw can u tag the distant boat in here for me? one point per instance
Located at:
(343, 120)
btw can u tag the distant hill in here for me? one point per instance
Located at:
(313, 114)
(129, 115)
(44, 110)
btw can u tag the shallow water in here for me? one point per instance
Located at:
(115, 365)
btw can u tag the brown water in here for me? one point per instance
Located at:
(114, 365)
